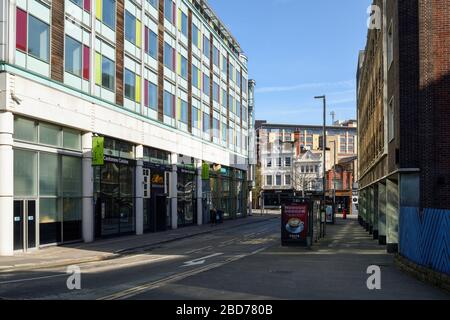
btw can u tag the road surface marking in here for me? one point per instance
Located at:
(200, 249)
(128, 293)
(201, 260)
(33, 279)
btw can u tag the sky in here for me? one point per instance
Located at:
(299, 49)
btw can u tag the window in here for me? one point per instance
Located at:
(391, 119)
(216, 92)
(169, 11)
(183, 67)
(390, 45)
(154, 3)
(279, 162)
(169, 104)
(130, 85)
(278, 180)
(169, 56)
(130, 27)
(38, 38)
(287, 179)
(238, 79)
(206, 85)
(184, 24)
(269, 163)
(183, 112)
(244, 85)
(195, 36)
(269, 180)
(107, 73)
(195, 77)
(216, 57)
(73, 56)
(151, 95)
(303, 169)
(238, 108)
(224, 132)
(78, 2)
(206, 122)
(231, 72)
(316, 168)
(244, 114)
(108, 9)
(216, 127)
(224, 98)
(224, 64)
(151, 43)
(195, 118)
(206, 46)
(230, 103)
(287, 162)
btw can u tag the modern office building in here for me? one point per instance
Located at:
(118, 117)
(403, 92)
(282, 149)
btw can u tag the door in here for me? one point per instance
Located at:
(161, 221)
(24, 224)
(18, 225)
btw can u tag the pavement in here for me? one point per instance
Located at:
(107, 249)
(244, 262)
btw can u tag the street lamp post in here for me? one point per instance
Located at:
(324, 98)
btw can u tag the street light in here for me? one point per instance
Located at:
(324, 98)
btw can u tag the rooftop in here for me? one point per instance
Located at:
(204, 8)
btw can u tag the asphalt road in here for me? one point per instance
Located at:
(241, 263)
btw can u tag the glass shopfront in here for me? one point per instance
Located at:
(114, 192)
(156, 205)
(187, 200)
(47, 184)
(228, 194)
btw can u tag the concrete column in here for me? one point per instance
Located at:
(375, 211)
(88, 189)
(6, 184)
(381, 213)
(139, 183)
(199, 193)
(173, 194)
(392, 214)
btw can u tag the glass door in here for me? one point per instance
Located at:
(24, 224)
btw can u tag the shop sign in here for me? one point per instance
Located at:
(116, 160)
(205, 171)
(98, 151)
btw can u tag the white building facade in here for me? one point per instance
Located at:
(162, 83)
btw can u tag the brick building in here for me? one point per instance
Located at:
(404, 125)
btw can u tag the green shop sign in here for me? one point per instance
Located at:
(205, 171)
(98, 151)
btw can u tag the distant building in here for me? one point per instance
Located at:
(282, 148)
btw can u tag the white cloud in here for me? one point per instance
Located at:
(347, 84)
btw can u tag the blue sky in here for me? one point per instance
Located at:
(299, 49)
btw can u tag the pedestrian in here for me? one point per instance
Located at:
(213, 213)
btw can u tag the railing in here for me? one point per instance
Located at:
(425, 237)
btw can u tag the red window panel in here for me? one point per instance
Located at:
(87, 5)
(86, 62)
(146, 93)
(146, 39)
(21, 29)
